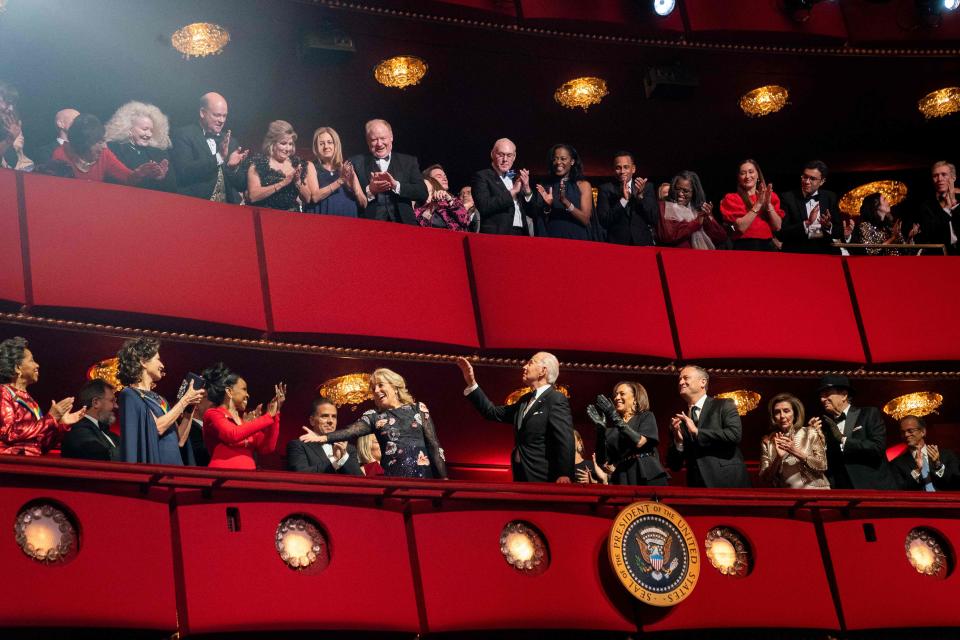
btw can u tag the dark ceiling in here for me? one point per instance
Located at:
(858, 113)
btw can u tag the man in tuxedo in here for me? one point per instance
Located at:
(90, 438)
(541, 419)
(812, 221)
(939, 217)
(62, 120)
(706, 437)
(856, 439)
(392, 182)
(923, 466)
(627, 207)
(206, 161)
(502, 196)
(314, 457)
(194, 451)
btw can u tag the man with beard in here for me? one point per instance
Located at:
(90, 438)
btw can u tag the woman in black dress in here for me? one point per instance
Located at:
(567, 199)
(627, 436)
(139, 133)
(278, 179)
(408, 440)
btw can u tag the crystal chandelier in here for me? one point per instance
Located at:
(400, 71)
(581, 92)
(940, 103)
(200, 39)
(764, 100)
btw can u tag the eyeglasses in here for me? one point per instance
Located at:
(682, 190)
(806, 178)
(908, 432)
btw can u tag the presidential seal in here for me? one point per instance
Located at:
(654, 553)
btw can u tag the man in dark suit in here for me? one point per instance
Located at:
(543, 425)
(706, 438)
(503, 196)
(812, 221)
(391, 181)
(90, 438)
(939, 217)
(206, 161)
(922, 466)
(194, 452)
(62, 120)
(315, 457)
(627, 208)
(856, 439)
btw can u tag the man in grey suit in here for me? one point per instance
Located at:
(706, 438)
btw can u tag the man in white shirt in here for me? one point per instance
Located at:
(939, 217)
(502, 196)
(923, 466)
(315, 457)
(91, 438)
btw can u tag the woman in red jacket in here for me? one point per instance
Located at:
(231, 441)
(754, 210)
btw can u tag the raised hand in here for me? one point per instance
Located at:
(524, 176)
(279, 397)
(192, 396)
(684, 419)
(310, 436)
(74, 417)
(339, 449)
(583, 476)
(848, 226)
(639, 184)
(257, 411)
(596, 417)
(706, 209)
(546, 194)
(59, 409)
(467, 370)
(606, 407)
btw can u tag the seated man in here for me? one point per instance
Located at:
(923, 467)
(90, 438)
(315, 457)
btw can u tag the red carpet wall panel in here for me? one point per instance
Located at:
(11, 263)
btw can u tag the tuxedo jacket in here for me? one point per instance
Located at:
(390, 206)
(494, 203)
(631, 224)
(543, 435)
(310, 457)
(196, 168)
(712, 457)
(862, 462)
(944, 479)
(87, 441)
(935, 226)
(793, 231)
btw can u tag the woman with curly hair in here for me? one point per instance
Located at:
(230, 440)
(152, 431)
(139, 133)
(88, 157)
(408, 440)
(23, 431)
(277, 178)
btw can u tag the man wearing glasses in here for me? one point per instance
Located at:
(502, 195)
(812, 221)
(923, 466)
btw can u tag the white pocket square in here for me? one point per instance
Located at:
(857, 429)
(537, 413)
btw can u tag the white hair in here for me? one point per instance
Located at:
(552, 365)
(372, 123)
(121, 123)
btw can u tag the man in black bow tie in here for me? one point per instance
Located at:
(502, 195)
(91, 438)
(391, 181)
(856, 439)
(812, 221)
(206, 161)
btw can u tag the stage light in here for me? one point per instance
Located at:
(301, 544)
(45, 533)
(927, 552)
(728, 552)
(950, 5)
(524, 548)
(664, 7)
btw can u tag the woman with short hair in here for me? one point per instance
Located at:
(277, 178)
(792, 455)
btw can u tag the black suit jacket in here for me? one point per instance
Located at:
(44, 153)
(87, 441)
(495, 204)
(713, 457)
(630, 225)
(935, 226)
(543, 437)
(390, 206)
(862, 463)
(944, 478)
(793, 232)
(309, 457)
(196, 168)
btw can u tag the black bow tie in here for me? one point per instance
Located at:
(387, 159)
(212, 136)
(815, 197)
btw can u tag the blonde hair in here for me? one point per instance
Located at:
(338, 149)
(396, 381)
(363, 448)
(275, 131)
(121, 123)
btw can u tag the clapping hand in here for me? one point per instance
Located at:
(706, 209)
(59, 409)
(311, 436)
(933, 454)
(826, 221)
(684, 419)
(596, 417)
(250, 416)
(814, 215)
(524, 176)
(279, 397)
(583, 476)
(346, 174)
(603, 403)
(639, 184)
(381, 182)
(562, 194)
(848, 225)
(339, 450)
(546, 194)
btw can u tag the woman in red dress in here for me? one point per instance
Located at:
(88, 158)
(754, 210)
(229, 438)
(23, 430)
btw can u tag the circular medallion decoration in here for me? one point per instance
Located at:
(728, 552)
(654, 553)
(46, 532)
(524, 548)
(301, 544)
(927, 552)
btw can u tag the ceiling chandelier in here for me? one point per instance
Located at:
(519, 393)
(400, 71)
(764, 100)
(351, 389)
(106, 370)
(940, 103)
(745, 399)
(920, 403)
(893, 191)
(200, 39)
(581, 92)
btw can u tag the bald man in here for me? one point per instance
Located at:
(62, 120)
(391, 181)
(206, 161)
(502, 196)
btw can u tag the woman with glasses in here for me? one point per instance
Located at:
(685, 216)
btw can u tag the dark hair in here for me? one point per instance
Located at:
(426, 172)
(320, 400)
(869, 212)
(131, 353)
(12, 353)
(740, 190)
(219, 378)
(576, 169)
(620, 154)
(86, 131)
(92, 390)
(697, 196)
(58, 168)
(641, 401)
(819, 165)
